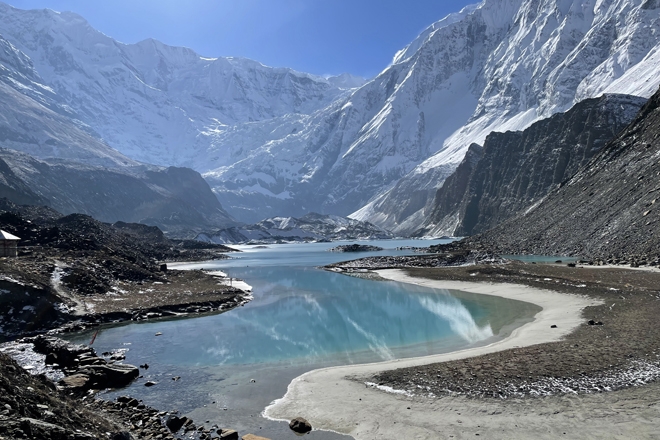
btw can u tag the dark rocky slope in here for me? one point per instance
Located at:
(450, 199)
(32, 408)
(609, 209)
(14, 189)
(518, 169)
(178, 200)
(65, 262)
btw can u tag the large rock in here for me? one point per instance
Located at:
(229, 434)
(111, 376)
(300, 425)
(62, 352)
(38, 429)
(76, 382)
(175, 423)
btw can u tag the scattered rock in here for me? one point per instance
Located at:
(300, 425)
(253, 437)
(553, 326)
(149, 383)
(175, 423)
(229, 434)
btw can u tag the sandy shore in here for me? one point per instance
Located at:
(331, 401)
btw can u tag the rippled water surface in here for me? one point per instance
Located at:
(234, 364)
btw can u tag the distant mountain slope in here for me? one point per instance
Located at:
(62, 163)
(34, 119)
(177, 200)
(277, 142)
(608, 209)
(157, 103)
(515, 170)
(522, 60)
(13, 188)
(310, 227)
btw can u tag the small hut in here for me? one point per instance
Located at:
(8, 244)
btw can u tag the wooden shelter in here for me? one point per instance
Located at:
(8, 244)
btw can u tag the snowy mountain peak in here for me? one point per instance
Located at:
(275, 142)
(149, 99)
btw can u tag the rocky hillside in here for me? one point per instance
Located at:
(310, 227)
(177, 200)
(608, 209)
(516, 170)
(65, 260)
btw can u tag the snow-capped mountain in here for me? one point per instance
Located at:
(156, 103)
(532, 58)
(34, 119)
(500, 65)
(49, 157)
(272, 141)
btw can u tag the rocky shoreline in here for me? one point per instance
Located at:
(73, 273)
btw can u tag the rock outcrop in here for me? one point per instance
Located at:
(609, 209)
(516, 170)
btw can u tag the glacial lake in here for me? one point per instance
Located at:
(230, 366)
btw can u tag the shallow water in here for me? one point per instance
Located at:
(233, 365)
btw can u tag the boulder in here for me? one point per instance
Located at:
(175, 423)
(111, 376)
(253, 437)
(229, 434)
(39, 429)
(300, 425)
(76, 382)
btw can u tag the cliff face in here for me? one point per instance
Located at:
(518, 169)
(609, 208)
(450, 199)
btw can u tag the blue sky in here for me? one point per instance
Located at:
(316, 36)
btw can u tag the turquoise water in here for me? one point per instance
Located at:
(301, 318)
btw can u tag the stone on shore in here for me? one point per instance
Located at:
(110, 376)
(175, 423)
(253, 437)
(76, 382)
(300, 425)
(229, 434)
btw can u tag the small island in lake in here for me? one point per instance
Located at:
(355, 248)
